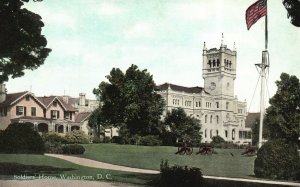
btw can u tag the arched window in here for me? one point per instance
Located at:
(205, 133)
(209, 63)
(218, 62)
(205, 119)
(211, 118)
(233, 134)
(224, 62)
(227, 105)
(210, 134)
(217, 132)
(217, 119)
(226, 133)
(214, 63)
(230, 64)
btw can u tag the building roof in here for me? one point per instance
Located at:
(47, 100)
(251, 118)
(82, 116)
(174, 87)
(12, 97)
(67, 106)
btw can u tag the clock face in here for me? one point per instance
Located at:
(212, 86)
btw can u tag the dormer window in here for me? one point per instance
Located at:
(27, 97)
(55, 103)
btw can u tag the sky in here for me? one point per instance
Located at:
(90, 37)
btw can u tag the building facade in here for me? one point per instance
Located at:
(215, 105)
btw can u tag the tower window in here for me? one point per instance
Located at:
(209, 63)
(205, 119)
(226, 133)
(218, 62)
(227, 105)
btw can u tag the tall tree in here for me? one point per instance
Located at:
(293, 9)
(255, 132)
(129, 101)
(22, 46)
(283, 116)
(183, 127)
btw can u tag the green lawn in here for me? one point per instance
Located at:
(146, 157)
(38, 165)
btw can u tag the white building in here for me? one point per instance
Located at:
(219, 111)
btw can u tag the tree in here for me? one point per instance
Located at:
(21, 44)
(293, 9)
(130, 103)
(255, 132)
(183, 127)
(283, 114)
(96, 121)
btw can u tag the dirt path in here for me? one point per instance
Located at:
(102, 165)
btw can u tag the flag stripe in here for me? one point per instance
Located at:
(255, 12)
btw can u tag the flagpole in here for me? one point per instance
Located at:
(264, 65)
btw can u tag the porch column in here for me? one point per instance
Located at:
(35, 126)
(64, 131)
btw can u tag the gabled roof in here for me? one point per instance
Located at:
(12, 97)
(47, 101)
(82, 116)
(174, 87)
(67, 106)
(251, 118)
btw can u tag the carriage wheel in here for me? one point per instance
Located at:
(189, 151)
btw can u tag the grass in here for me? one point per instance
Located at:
(38, 165)
(147, 157)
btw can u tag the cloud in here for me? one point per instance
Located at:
(108, 9)
(140, 30)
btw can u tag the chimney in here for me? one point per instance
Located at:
(82, 99)
(2, 93)
(66, 98)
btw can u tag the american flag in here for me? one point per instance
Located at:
(255, 12)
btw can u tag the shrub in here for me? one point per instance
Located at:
(180, 176)
(106, 139)
(77, 136)
(150, 140)
(217, 140)
(96, 139)
(73, 149)
(277, 160)
(19, 138)
(53, 142)
(118, 140)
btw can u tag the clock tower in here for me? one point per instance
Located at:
(219, 70)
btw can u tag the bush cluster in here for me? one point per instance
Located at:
(76, 136)
(277, 159)
(21, 138)
(180, 176)
(54, 142)
(73, 149)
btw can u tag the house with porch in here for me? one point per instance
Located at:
(44, 114)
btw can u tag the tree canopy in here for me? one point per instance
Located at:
(283, 116)
(129, 101)
(22, 46)
(184, 128)
(293, 9)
